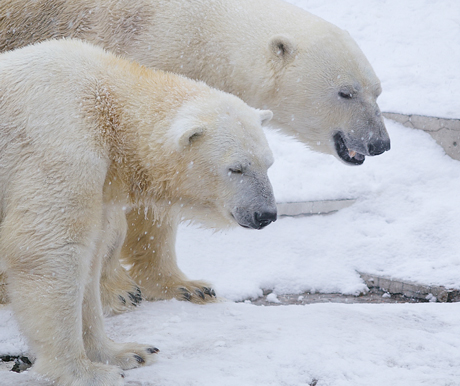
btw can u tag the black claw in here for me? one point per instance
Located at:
(139, 359)
(200, 293)
(20, 363)
(136, 298)
(122, 374)
(209, 291)
(186, 294)
(122, 299)
(152, 350)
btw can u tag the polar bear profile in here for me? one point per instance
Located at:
(85, 136)
(310, 73)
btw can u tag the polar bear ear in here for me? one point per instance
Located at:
(183, 131)
(265, 116)
(282, 47)
(188, 136)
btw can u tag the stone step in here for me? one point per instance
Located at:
(411, 289)
(308, 208)
(446, 132)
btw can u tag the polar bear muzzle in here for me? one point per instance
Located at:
(253, 205)
(346, 150)
(255, 220)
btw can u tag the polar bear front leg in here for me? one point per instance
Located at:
(46, 275)
(98, 346)
(150, 251)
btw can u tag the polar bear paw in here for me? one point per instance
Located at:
(195, 291)
(125, 355)
(133, 355)
(119, 293)
(197, 294)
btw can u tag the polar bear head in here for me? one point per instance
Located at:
(223, 161)
(335, 89)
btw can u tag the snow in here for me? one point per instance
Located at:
(405, 224)
(229, 344)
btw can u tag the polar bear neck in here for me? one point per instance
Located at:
(134, 131)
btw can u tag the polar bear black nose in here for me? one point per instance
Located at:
(262, 219)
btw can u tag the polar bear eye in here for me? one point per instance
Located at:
(236, 170)
(345, 94)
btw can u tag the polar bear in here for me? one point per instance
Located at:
(273, 55)
(85, 135)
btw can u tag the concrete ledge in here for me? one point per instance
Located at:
(411, 289)
(446, 132)
(308, 208)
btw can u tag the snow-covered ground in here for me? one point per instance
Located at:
(405, 224)
(230, 344)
